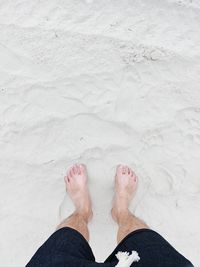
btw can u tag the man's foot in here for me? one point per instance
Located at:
(77, 188)
(125, 187)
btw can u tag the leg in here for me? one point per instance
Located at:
(152, 248)
(125, 187)
(76, 183)
(69, 246)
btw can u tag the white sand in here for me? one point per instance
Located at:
(99, 82)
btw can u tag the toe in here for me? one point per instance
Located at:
(67, 179)
(82, 168)
(119, 169)
(124, 169)
(129, 171)
(76, 169)
(71, 174)
(134, 176)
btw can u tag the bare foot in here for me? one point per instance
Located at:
(125, 187)
(77, 188)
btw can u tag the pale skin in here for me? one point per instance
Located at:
(126, 182)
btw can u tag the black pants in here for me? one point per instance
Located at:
(68, 248)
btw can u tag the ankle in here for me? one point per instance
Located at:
(124, 216)
(120, 214)
(85, 214)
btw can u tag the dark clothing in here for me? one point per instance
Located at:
(68, 248)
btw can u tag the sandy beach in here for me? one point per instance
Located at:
(100, 83)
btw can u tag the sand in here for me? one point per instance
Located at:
(101, 83)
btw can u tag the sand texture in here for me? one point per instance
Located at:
(99, 82)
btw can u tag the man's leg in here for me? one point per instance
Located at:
(77, 188)
(125, 187)
(152, 248)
